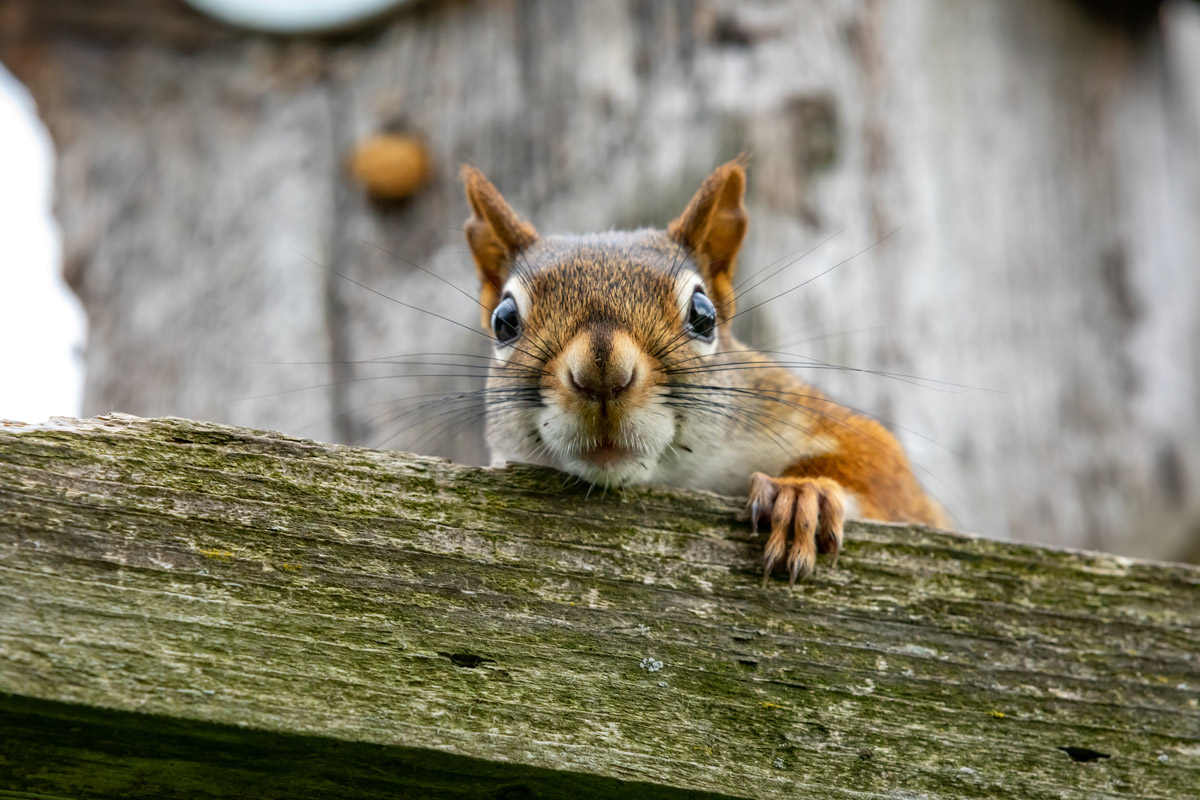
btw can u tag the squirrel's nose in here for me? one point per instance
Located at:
(601, 386)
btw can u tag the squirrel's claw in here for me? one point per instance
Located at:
(833, 521)
(802, 557)
(811, 510)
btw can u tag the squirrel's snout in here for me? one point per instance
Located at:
(600, 386)
(600, 366)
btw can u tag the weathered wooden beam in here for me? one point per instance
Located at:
(195, 610)
(1041, 164)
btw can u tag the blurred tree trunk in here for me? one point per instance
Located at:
(1042, 166)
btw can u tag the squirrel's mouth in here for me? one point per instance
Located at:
(607, 453)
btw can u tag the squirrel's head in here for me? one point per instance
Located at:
(595, 334)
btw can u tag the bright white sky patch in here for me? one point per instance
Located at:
(41, 322)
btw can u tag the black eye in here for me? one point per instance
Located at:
(506, 322)
(702, 317)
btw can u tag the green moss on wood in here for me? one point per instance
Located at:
(209, 575)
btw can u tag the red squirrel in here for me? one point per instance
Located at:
(615, 362)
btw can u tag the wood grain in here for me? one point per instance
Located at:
(191, 609)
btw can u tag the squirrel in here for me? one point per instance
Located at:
(614, 361)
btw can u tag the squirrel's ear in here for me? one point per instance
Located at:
(712, 228)
(496, 235)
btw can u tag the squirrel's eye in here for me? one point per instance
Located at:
(702, 317)
(506, 321)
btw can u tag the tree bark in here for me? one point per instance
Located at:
(1027, 172)
(191, 609)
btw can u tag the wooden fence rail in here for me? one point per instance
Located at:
(195, 610)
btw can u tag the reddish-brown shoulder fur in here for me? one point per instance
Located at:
(870, 464)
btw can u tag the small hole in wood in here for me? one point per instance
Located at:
(466, 660)
(1083, 753)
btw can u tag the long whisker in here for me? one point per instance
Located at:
(739, 414)
(823, 337)
(741, 288)
(465, 417)
(428, 272)
(499, 367)
(434, 398)
(454, 417)
(684, 336)
(442, 317)
(776, 395)
(823, 272)
(815, 412)
(481, 400)
(328, 384)
(914, 380)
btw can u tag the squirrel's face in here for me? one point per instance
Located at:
(594, 334)
(598, 325)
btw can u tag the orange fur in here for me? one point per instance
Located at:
(870, 464)
(712, 227)
(863, 456)
(495, 233)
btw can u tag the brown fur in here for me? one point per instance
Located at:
(604, 335)
(496, 235)
(712, 227)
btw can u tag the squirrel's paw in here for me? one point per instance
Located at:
(813, 510)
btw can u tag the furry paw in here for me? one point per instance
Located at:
(813, 510)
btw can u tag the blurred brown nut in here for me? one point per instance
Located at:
(390, 166)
